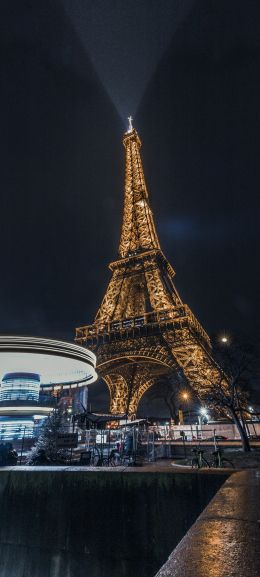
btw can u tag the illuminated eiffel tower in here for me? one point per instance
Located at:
(142, 329)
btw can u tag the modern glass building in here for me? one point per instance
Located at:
(42, 369)
(19, 398)
(15, 429)
(20, 387)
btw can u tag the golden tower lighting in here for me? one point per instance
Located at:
(142, 329)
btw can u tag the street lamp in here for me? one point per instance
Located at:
(224, 339)
(186, 397)
(204, 413)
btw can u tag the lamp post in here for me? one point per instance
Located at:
(204, 413)
(224, 339)
(185, 396)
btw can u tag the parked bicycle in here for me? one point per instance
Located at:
(104, 459)
(198, 460)
(219, 461)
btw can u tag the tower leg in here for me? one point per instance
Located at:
(200, 369)
(127, 389)
(118, 389)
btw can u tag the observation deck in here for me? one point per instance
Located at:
(175, 319)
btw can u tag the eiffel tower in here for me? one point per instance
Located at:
(142, 329)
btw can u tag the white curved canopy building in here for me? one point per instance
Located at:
(29, 365)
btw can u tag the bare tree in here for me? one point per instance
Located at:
(168, 389)
(230, 394)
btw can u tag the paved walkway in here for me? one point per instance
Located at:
(225, 539)
(162, 466)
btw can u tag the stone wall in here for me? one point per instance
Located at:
(225, 539)
(76, 523)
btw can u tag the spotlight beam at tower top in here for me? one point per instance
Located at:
(122, 55)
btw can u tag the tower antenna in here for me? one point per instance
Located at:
(130, 120)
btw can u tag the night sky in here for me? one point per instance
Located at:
(71, 71)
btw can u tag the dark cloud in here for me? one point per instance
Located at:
(218, 230)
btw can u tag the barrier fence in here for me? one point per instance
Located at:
(122, 446)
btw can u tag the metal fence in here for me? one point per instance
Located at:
(109, 447)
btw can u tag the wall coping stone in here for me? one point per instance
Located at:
(225, 539)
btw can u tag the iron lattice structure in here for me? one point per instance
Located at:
(142, 329)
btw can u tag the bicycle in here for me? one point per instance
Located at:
(219, 461)
(99, 459)
(96, 457)
(114, 459)
(198, 460)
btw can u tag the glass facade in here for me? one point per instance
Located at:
(15, 429)
(20, 387)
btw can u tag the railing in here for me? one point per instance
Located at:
(122, 446)
(178, 315)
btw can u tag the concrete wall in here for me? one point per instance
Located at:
(75, 523)
(225, 539)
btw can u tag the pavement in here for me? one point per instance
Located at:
(225, 539)
(239, 459)
(161, 466)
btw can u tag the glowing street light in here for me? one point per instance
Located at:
(203, 411)
(224, 339)
(186, 397)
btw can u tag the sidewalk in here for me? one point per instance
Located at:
(225, 539)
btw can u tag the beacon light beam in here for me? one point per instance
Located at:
(112, 34)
